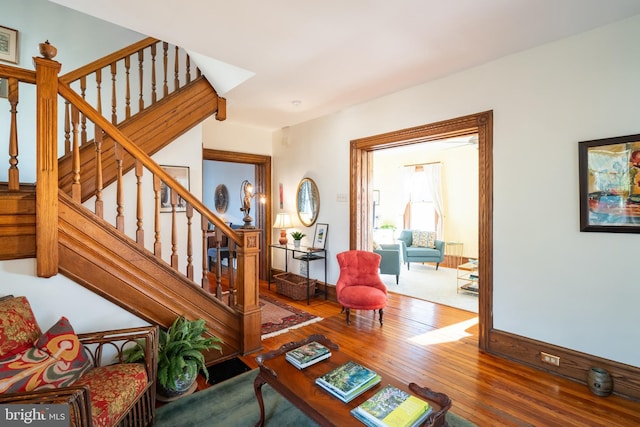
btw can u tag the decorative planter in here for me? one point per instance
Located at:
(183, 387)
(600, 382)
(296, 243)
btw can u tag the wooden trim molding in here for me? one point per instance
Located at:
(573, 364)
(361, 159)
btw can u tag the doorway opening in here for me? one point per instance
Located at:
(262, 174)
(362, 193)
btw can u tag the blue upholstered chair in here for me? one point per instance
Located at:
(411, 253)
(391, 259)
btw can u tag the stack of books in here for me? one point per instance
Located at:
(307, 354)
(348, 381)
(392, 407)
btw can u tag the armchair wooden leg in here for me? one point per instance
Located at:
(348, 313)
(437, 265)
(380, 317)
(397, 279)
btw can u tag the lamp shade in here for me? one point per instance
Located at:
(283, 220)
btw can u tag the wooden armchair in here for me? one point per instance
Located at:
(107, 392)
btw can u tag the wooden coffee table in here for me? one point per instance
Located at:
(299, 387)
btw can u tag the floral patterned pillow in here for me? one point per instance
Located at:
(18, 326)
(423, 239)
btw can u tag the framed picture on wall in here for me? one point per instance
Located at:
(8, 45)
(320, 236)
(180, 174)
(609, 175)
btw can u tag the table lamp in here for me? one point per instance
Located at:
(283, 221)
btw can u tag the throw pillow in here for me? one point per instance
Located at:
(62, 343)
(57, 359)
(18, 326)
(424, 239)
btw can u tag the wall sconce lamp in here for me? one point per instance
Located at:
(283, 221)
(246, 194)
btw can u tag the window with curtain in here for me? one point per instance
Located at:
(425, 202)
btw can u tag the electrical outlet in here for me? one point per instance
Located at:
(341, 197)
(550, 358)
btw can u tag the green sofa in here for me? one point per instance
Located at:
(412, 253)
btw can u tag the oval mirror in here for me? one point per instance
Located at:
(307, 202)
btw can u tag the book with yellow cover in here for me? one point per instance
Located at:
(392, 407)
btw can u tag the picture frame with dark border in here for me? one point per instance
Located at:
(609, 179)
(180, 174)
(8, 45)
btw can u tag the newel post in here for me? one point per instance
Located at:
(46, 162)
(248, 304)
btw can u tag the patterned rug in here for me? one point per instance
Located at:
(278, 317)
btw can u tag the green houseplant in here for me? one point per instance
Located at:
(180, 355)
(297, 236)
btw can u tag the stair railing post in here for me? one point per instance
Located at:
(46, 166)
(248, 304)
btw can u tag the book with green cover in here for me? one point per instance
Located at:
(346, 378)
(355, 393)
(308, 352)
(392, 407)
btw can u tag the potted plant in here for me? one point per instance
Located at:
(297, 236)
(180, 355)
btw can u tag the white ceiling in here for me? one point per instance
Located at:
(331, 54)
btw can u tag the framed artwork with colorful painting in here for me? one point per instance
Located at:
(610, 184)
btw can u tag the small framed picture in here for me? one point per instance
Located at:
(8, 45)
(180, 174)
(320, 237)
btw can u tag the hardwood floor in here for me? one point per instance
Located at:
(436, 346)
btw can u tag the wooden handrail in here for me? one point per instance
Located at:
(107, 60)
(111, 130)
(26, 76)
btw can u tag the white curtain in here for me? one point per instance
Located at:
(424, 183)
(434, 180)
(407, 184)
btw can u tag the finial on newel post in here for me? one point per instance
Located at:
(47, 50)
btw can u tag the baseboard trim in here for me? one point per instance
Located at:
(573, 364)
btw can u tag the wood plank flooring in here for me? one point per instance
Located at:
(436, 346)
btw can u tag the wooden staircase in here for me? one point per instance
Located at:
(97, 254)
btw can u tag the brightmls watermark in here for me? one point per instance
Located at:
(44, 415)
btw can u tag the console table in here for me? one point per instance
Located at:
(304, 254)
(299, 387)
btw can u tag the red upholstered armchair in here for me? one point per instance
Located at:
(359, 285)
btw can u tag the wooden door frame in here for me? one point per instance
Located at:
(361, 192)
(262, 181)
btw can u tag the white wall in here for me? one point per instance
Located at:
(58, 296)
(551, 282)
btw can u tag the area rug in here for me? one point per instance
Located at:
(425, 282)
(233, 403)
(278, 317)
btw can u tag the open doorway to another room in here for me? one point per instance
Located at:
(255, 168)
(430, 187)
(361, 194)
